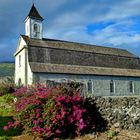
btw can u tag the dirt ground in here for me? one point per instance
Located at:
(108, 135)
(112, 135)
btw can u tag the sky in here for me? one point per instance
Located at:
(111, 23)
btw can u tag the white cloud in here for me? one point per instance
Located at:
(71, 24)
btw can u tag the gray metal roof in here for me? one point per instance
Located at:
(59, 53)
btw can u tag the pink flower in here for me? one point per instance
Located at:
(5, 128)
(35, 122)
(57, 131)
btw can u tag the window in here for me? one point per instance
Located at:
(50, 83)
(35, 28)
(19, 60)
(19, 82)
(112, 86)
(90, 86)
(131, 86)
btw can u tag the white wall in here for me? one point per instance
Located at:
(23, 71)
(20, 69)
(27, 27)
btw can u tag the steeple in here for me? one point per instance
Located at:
(33, 24)
(34, 13)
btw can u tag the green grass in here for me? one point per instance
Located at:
(7, 69)
(6, 112)
(6, 108)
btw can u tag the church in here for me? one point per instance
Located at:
(103, 71)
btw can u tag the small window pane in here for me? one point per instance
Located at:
(35, 27)
(89, 86)
(112, 86)
(19, 60)
(131, 88)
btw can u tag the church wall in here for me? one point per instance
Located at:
(100, 84)
(29, 72)
(20, 67)
(27, 27)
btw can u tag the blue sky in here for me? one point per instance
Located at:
(101, 22)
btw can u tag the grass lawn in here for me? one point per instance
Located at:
(6, 111)
(7, 69)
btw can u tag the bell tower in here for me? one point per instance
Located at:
(33, 24)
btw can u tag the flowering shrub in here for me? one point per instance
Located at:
(52, 112)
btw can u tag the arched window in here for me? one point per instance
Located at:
(90, 86)
(19, 82)
(19, 60)
(35, 28)
(131, 86)
(112, 86)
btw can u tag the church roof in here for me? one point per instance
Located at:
(66, 45)
(82, 70)
(56, 56)
(34, 13)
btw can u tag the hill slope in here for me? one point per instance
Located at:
(7, 69)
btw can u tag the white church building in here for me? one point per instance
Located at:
(103, 71)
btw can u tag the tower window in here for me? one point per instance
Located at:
(35, 28)
(19, 60)
(131, 86)
(112, 86)
(90, 86)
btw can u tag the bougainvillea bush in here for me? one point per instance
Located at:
(52, 112)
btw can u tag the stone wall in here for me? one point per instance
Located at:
(120, 112)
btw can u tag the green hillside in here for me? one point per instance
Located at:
(7, 69)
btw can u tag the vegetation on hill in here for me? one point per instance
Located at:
(7, 69)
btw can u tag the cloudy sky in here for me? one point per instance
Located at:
(112, 23)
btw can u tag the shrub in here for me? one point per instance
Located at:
(9, 98)
(6, 88)
(52, 112)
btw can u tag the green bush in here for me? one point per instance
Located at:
(9, 98)
(4, 138)
(6, 88)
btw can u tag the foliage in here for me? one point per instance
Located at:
(6, 108)
(6, 87)
(9, 133)
(4, 138)
(9, 98)
(52, 112)
(6, 111)
(111, 134)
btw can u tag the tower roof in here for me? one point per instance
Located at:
(34, 13)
